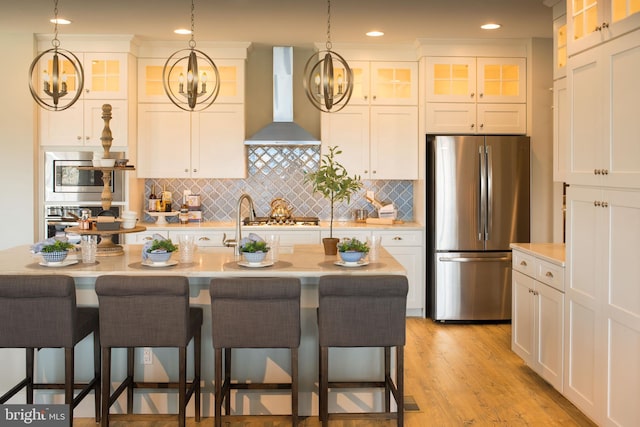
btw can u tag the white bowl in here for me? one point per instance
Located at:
(129, 223)
(107, 163)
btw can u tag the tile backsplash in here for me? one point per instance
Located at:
(278, 171)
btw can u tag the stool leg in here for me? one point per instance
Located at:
(29, 356)
(69, 378)
(218, 387)
(400, 383)
(182, 386)
(96, 372)
(323, 396)
(197, 343)
(294, 387)
(106, 385)
(131, 359)
(227, 380)
(387, 378)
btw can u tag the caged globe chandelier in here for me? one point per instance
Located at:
(199, 89)
(327, 89)
(55, 84)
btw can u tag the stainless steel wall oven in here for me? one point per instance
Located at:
(65, 182)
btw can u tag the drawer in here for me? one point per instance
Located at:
(551, 274)
(400, 238)
(524, 263)
(203, 238)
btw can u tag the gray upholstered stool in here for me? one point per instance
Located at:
(148, 311)
(254, 313)
(40, 312)
(363, 311)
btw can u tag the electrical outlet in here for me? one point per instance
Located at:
(147, 356)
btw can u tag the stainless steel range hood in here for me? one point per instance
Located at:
(283, 130)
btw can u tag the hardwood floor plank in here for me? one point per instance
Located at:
(458, 375)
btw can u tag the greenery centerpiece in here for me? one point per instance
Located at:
(160, 250)
(334, 183)
(352, 250)
(254, 249)
(56, 251)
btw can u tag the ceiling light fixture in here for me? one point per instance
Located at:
(375, 33)
(182, 31)
(201, 88)
(490, 26)
(60, 21)
(324, 89)
(54, 79)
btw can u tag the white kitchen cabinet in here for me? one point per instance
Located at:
(475, 95)
(561, 130)
(173, 143)
(602, 304)
(592, 22)
(106, 77)
(560, 46)
(144, 236)
(379, 142)
(538, 315)
(603, 90)
(232, 72)
(205, 239)
(383, 83)
(81, 124)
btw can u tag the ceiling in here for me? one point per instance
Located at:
(285, 22)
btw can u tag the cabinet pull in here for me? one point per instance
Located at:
(397, 238)
(605, 204)
(523, 263)
(596, 171)
(549, 274)
(605, 171)
(596, 203)
(204, 238)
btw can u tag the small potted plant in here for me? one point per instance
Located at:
(160, 250)
(254, 250)
(56, 251)
(334, 183)
(352, 250)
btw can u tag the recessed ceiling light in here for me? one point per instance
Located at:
(490, 26)
(182, 31)
(375, 33)
(60, 21)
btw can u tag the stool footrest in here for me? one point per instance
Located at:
(260, 386)
(356, 384)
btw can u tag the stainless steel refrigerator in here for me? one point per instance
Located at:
(478, 203)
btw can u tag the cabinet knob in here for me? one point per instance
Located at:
(472, 95)
(605, 204)
(481, 125)
(374, 172)
(79, 138)
(473, 125)
(366, 171)
(87, 138)
(597, 171)
(186, 170)
(605, 171)
(596, 203)
(195, 170)
(375, 97)
(481, 95)
(366, 97)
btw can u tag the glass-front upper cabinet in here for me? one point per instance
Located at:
(151, 88)
(560, 47)
(590, 22)
(105, 74)
(382, 83)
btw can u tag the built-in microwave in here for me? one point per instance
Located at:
(65, 181)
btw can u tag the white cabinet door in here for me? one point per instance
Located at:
(217, 147)
(499, 119)
(349, 130)
(203, 238)
(522, 318)
(502, 80)
(603, 89)
(454, 117)
(164, 141)
(393, 151)
(549, 333)
(394, 83)
(451, 79)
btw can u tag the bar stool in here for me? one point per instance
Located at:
(363, 311)
(40, 311)
(253, 313)
(148, 311)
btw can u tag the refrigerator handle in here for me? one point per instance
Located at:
(489, 200)
(482, 207)
(463, 259)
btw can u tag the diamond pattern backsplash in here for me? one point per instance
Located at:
(279, 172)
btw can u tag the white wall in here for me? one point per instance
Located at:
(18, 214)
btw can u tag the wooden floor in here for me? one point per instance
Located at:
(458, 375)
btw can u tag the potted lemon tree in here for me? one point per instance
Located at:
(334, 183)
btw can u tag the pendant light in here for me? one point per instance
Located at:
(55, 84)
(327, 89)
(197, 90)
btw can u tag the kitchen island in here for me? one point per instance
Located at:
(306, 262)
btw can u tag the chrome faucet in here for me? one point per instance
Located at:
(252, 216)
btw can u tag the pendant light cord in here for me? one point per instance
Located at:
(55, 42)
(192, 42)
(328, 25)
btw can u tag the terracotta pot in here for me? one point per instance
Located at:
(330, 245)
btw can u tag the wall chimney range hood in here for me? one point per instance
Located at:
(283, 130)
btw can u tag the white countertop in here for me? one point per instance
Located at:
(301, 261)
(552, 252)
